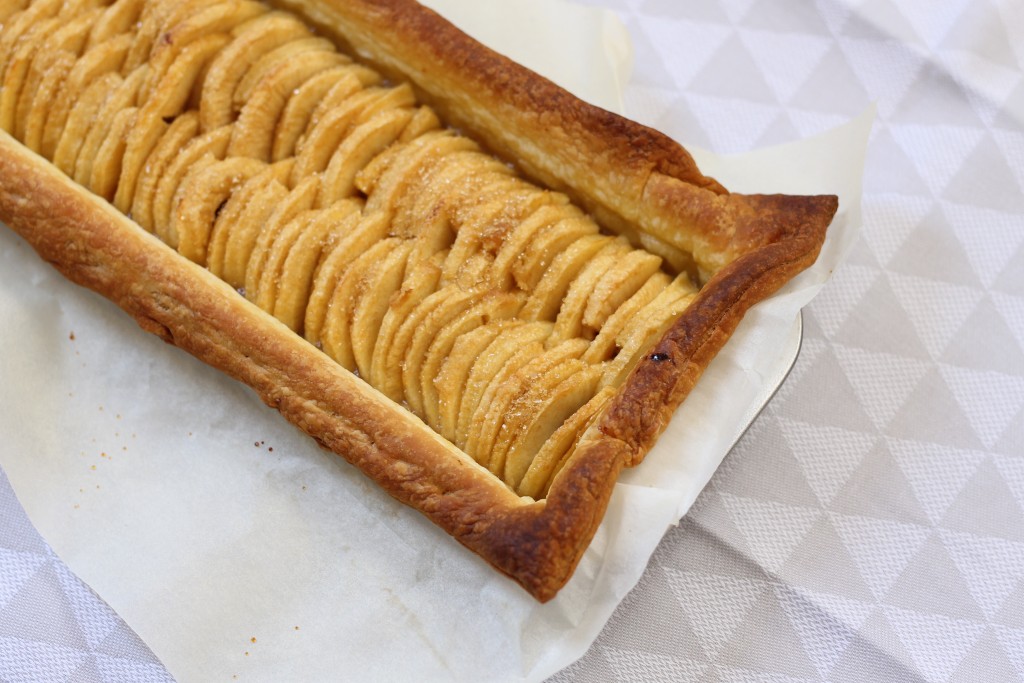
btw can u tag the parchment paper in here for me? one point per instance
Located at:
(238, 550)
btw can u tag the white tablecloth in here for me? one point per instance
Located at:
(870, 526)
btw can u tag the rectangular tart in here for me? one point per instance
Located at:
(486, 294)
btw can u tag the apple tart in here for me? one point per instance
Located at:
(486, 294)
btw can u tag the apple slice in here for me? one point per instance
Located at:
(103, 59)
(213, 144)
(550, 411)
(618, 284)
(569, 323)
(201, 195)
(393, 339)
(548, 243)
(301, 198)
(646, 328)
(253, 40)
(378, 285)
(603, 347)
(365, 142)
(551, 457)
(494, 306)
(297, 272)
(511, 340)
(237, 223)
(547, 297)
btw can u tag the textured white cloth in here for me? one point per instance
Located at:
(870, 526)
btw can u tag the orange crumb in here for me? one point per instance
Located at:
(71, 336)
(253, 639)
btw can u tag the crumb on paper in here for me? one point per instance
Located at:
(71, 336)
(246, 653)
(92, 467)
(253, 639)
(297, 628)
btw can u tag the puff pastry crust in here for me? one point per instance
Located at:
(171, 156)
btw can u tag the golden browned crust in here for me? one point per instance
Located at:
(634, 179)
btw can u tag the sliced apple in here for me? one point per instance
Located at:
(252, 42)
(550, 241)
(603, 347)
(354, 235)
(550, 411)
(493, 306)
(569, 323)
(555, 451)
(547, 296)
(510, 341)
(296, 274)
(622, 281)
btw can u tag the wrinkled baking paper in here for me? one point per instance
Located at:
(235, 547)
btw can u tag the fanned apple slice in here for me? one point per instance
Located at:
(300, 266)
(551, 456)
(173, 140)
(620, 283)
(423, 121)
(389, 351)
(510, 341)
(646, 328)
(224, 254)
(254, 129)
(155, 19)
(353, 237)
(296, 114)
(503, 389)
(492, 197)
(548, 411)
(17, 71)
(292, 51)
(67, 41)
(277, 253)
(301, 198)
(214, 143)
(548, 295)
(200, 197)
(450, 381)
(166, 100)
(521, 235)
(80, 121)
(22, 23)
(252, 41)
(99, 60)
(376, 286)
(518, 357)
(45, 94)
(569, 323)
(399, 192)
(419, 329)
(494, 306)
(366, 141)
(106, 168)
(121, 98)
(219, 18)
(550, 241)
(603, 347)
(10, 8)
(336, 336)
(117, 20)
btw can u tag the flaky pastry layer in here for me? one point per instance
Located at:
(633, 180)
